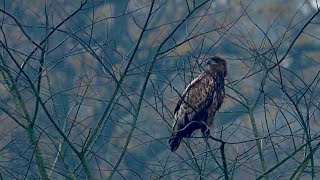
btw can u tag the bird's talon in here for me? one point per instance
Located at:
(205, 130)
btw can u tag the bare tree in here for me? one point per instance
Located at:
(88, 88)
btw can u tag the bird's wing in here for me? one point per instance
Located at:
(186, 91)
(194, 102)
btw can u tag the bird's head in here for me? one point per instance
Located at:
(216, 63)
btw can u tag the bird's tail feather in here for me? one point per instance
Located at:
(174, 142)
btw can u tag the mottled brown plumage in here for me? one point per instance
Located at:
(199, 102)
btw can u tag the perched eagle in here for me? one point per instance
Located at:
(199, 102)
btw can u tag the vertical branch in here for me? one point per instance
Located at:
(37, 153)
(26, 122)
(256, 136)
(135, 116)
(224, 161)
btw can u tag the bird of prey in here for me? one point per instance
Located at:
(199, 102)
